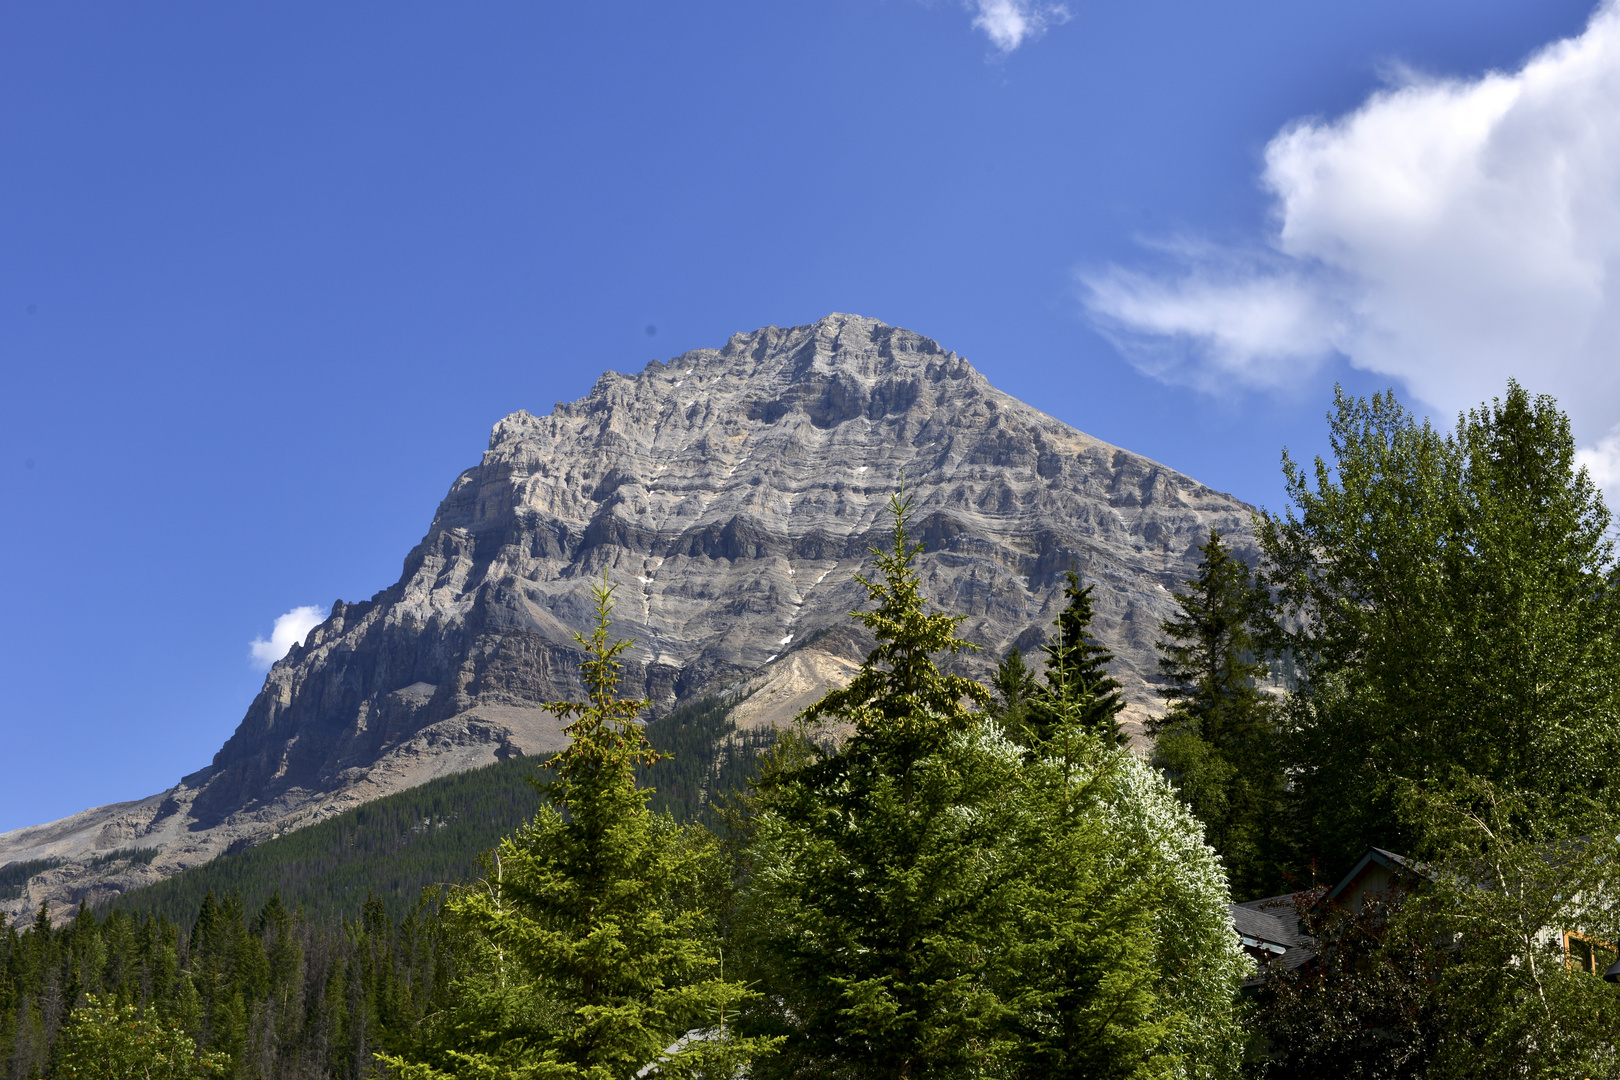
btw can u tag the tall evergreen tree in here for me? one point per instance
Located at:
(931, 899)
(880, 896)
(589, 957)
(1078, 685)
(1123, 963)
(1217, 741)
(1078, 977)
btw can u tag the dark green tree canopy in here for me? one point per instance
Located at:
(878, 900)
(1078, 687)
(1218, 740)
(1209, 657)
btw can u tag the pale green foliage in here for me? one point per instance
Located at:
(587, 952)
(108, 1041)
(1198, 961)
(1091, 988)
(1509, 1000)
(1078, 973)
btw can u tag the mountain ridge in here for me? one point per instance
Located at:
(731, 495)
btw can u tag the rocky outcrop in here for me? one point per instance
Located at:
(731, 495)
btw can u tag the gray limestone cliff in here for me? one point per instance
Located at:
(731, 494)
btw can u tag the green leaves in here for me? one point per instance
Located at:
(108, 1041)
(1452, 600)
(1531, 924)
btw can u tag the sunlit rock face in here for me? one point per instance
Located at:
(731, 496)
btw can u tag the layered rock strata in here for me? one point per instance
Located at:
(731, 496)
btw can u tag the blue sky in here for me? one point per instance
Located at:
(269, 273)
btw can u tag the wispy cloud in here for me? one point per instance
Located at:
(1010, 23)
(290, 629)
(1448, 233)
(1223, 319)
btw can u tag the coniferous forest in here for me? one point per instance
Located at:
(1423, 658)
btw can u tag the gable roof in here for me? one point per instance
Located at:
(1375, 856)
(1269, 928)
(1269, 931)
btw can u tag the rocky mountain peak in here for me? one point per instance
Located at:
(730, 495)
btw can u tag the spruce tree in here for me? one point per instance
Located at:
(1014, 686)
(1078, 974)
(1217, 740)
(884, 871)
(587, 955)
(1078, 687)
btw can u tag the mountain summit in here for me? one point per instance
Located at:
(731, 494)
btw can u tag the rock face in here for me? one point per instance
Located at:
(731, 496)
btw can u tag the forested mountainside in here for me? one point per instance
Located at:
(731, 494)
(390, 849)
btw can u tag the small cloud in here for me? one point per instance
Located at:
(1223, 321)
(1602, 463)
(290, 629)
(1010, 23)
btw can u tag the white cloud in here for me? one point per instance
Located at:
(1448, 233)
(290, 630)
(1010, 23)
(1223, 319)
(1602, 460)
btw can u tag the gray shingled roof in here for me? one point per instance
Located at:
(1269, 930)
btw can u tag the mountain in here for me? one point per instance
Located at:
(731, 495)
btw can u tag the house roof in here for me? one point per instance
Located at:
(1269, 930)
(1378, 856)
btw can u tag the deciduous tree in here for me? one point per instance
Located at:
(108, 1041)
(1453, 601)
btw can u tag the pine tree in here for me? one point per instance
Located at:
(881, 892)
(588, 956)
(1015, 684)
(1217, 741)
(1076, 674)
